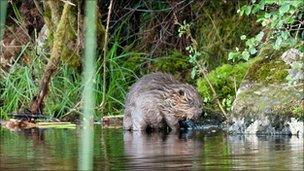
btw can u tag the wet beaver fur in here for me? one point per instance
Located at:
(158, 100)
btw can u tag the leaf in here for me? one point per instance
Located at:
(278, 43)
(193, 72)
(243, 37)
(250, 42)
(284, 8)
(267, 15)
(252, 51)
(255, 8)
(284, 35)
(297, 3)
(260, 36)
(262, 5)
(232, 55)
(245, 55)
(242, 10)
(248, 10)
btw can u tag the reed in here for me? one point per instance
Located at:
(86, 141)
(3, 8)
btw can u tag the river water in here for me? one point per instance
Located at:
(114, 149)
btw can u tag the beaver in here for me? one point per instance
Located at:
(158, 101)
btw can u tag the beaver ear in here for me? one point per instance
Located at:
(181, 92)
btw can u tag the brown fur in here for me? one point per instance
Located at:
(157, 100)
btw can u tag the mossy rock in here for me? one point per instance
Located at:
(265, 90)
(225, 79)
(268, 70)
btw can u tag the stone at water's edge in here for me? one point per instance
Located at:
(265, 102)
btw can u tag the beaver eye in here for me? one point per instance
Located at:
(181, 92)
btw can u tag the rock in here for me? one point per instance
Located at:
(295, 59)
(292, 55)
(265, 102)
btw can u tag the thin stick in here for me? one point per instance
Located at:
(213, 91)
(38, 7)
(105, 48)
(203, 71)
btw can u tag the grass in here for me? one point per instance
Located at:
(21, 83)
(17, 86)
(119, 78)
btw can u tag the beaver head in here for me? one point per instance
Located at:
(183, 101)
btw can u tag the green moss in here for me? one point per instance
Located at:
(225, 79)
(172, 63)
(299, 113)
(176, 64)
(268, 71)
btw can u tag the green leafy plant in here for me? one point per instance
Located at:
(282, 23)
(199, 66)
(299, 112)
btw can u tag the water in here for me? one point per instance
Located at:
(56, 149)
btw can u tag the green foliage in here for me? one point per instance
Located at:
(218, 30)
(281, 22)
(194, 54)
(299, 113)
(122, 69)
(172, 63)
(225, 80)
(18, 87)
(21, 84)
(184, 29)
(65, 93)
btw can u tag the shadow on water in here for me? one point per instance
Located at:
(114, 149)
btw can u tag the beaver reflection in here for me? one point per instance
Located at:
(158, 151)
(35, 134)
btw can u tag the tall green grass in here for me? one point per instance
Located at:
(21, 83)
(18, 86)
(119, 78)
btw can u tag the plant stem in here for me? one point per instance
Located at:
(87, 130)
(203, 71)
(3, 8)
(105, 48)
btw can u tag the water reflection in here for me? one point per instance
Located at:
(160, 151)
(34, 134)
(38, 149)
(267, 152)
(114, 149)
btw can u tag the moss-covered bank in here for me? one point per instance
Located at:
(226, 80)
